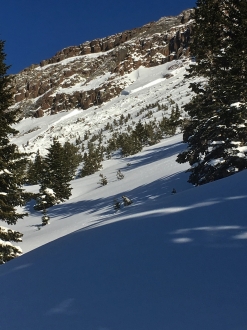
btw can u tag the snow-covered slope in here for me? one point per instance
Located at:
(167, 261)
(154, 164)
(164, 84)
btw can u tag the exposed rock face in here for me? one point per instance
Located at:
(66, 80)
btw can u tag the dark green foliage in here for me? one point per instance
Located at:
(46, 198)
(144, 134)
(57, 175)
(108, 126)
(78, 141)
(103, 180)
(8, 252)
(45, 218)
(120, 175)
(129, 144)
(141, 133)
(12, 167)
(217, 130)
(72, 157)
(133, 142)
(59, 167)
(7, 234)
(153, 132)
(92, 160)
(35, 170)
(169, 126)
(121, 120)
(116, 204)
(86, 135)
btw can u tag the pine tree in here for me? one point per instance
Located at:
(57, 177)
(12, 164)
(216, 132)
(72, 157)
(103, 180)
(141, 133)
(46, 198)
(92, 160)
(120, 175)
(35, 170)
(59, 167)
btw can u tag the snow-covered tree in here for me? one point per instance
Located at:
(12, 164)
(7, 250)
(46, 198)
(127, 201)
(58, 169)
(120, 175)
(216, 132)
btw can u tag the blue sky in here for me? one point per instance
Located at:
(36, 30)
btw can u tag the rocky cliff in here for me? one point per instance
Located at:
(68, 79)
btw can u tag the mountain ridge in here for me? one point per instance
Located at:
(36, 89)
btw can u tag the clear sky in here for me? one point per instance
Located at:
(36, 30)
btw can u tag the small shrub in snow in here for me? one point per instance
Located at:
(45, 218)
(126, 201)
(120, 175)
(116, 204)
(103, 180)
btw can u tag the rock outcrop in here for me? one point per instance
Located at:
(66, 80)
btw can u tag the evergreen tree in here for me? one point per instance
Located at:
(103, 180)
(57, 177)
(216, 132)
(45, 218)
(141, 133)
(46, 198)
(12, 164)
(72, 157)
(154, 133)
(59, 168)
(35, 170)
(131, 143)
(92, 160)
(120, 175)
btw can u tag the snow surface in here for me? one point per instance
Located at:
(145, 86)
(166, 262)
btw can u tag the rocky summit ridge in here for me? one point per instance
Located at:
(91, 73)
